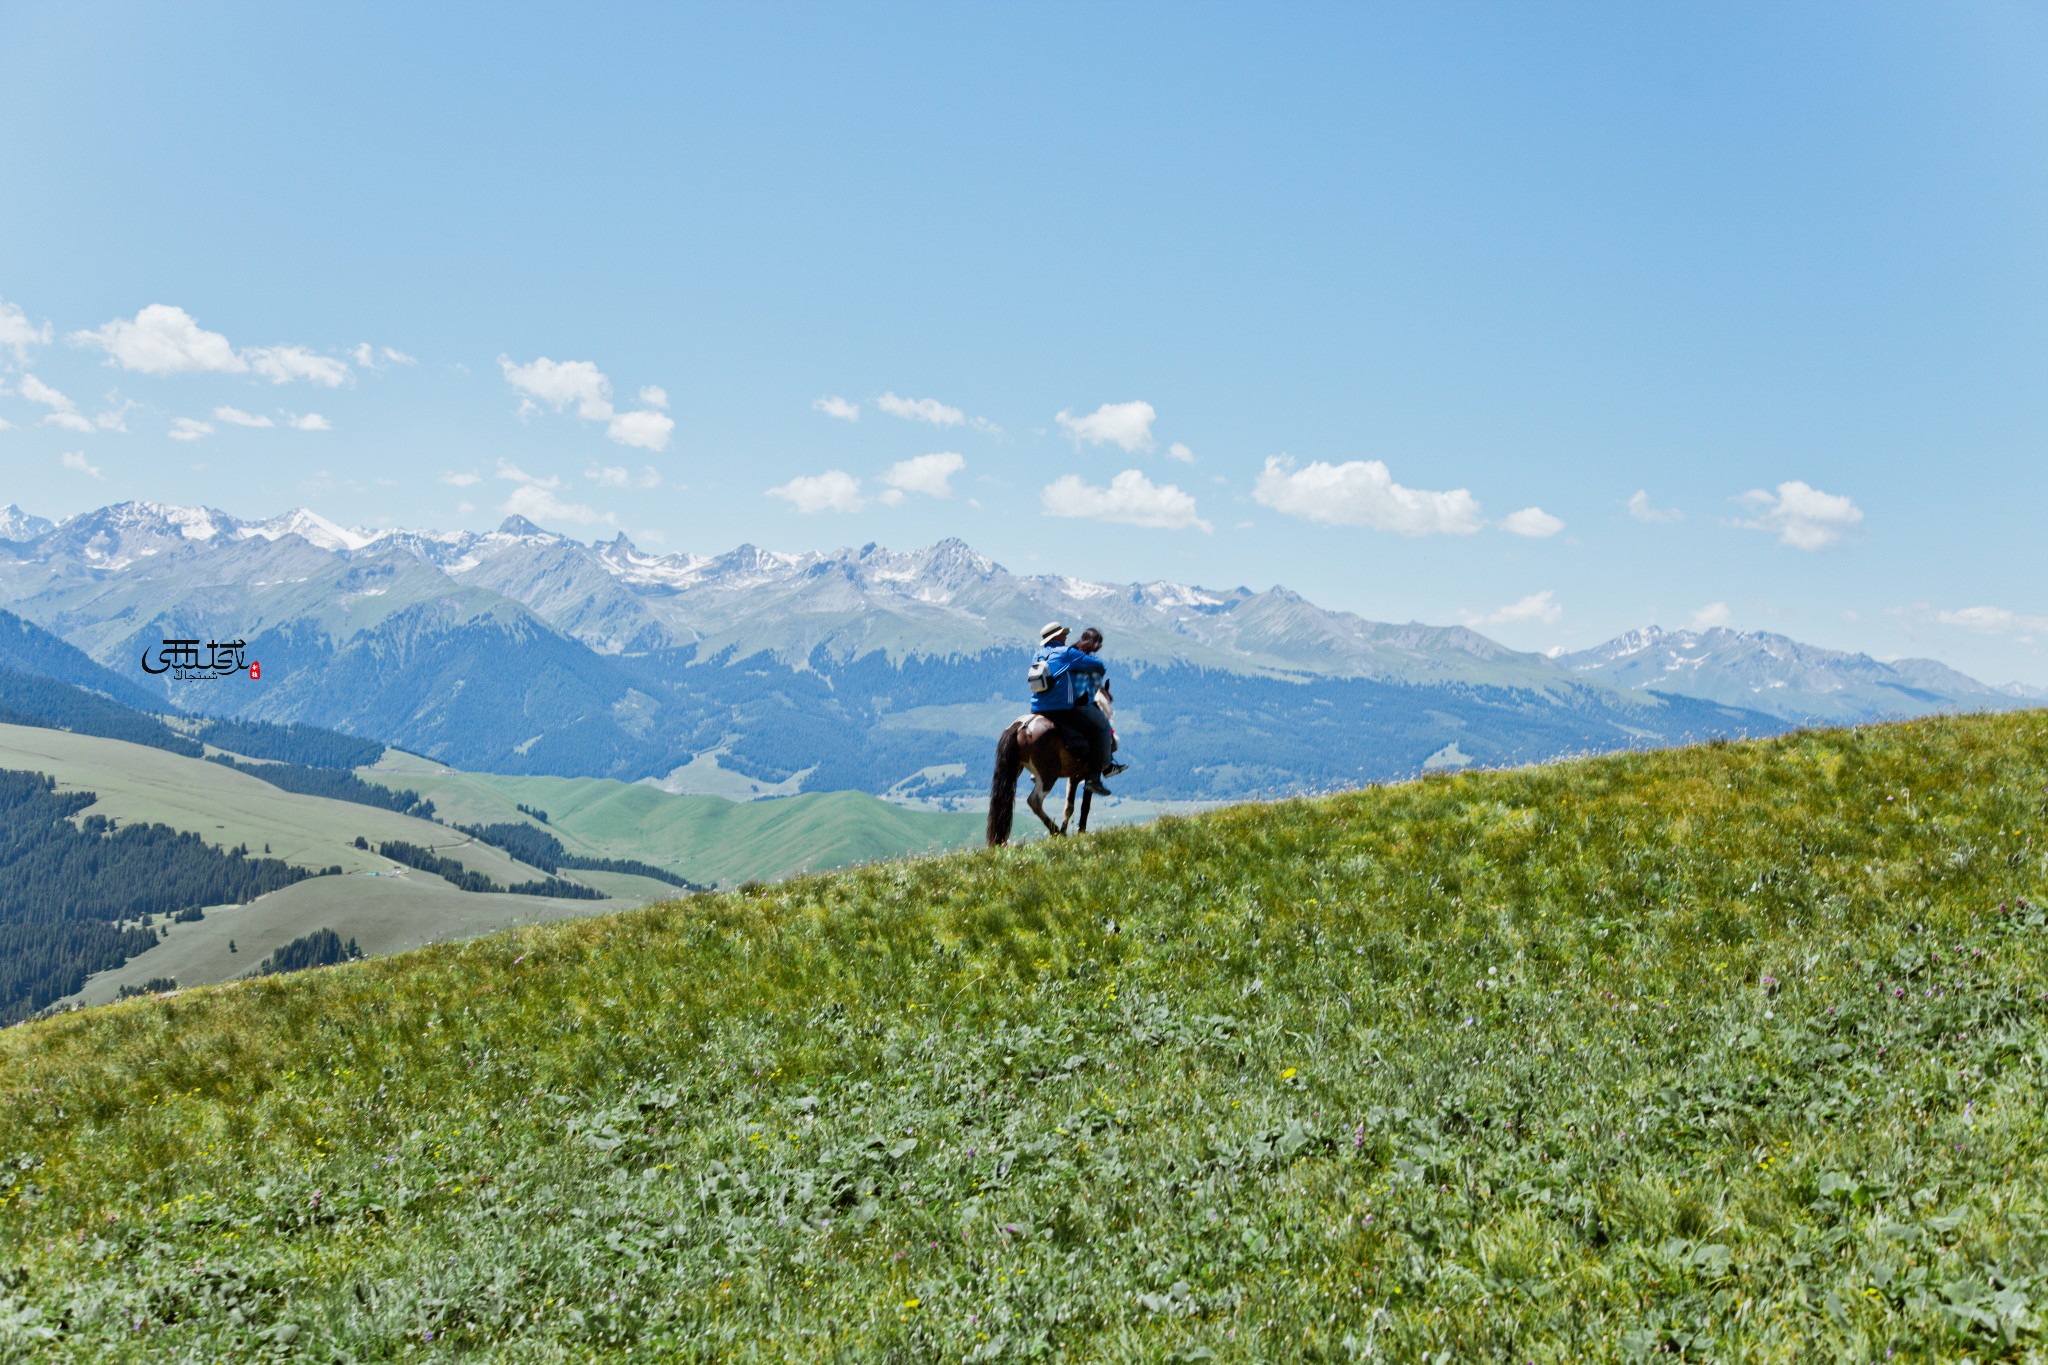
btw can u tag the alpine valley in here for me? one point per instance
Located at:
(753, 672)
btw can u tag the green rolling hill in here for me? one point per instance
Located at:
(1729, 1053)
(139, 784)
(708, 839)
(386, 908)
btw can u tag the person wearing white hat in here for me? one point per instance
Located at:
(1055, 671)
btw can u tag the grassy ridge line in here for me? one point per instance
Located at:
(1735, 1050)
(136, 783)
(707, 839)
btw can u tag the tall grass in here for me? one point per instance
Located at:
(1731, 1053)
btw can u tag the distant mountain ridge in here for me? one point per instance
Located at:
(944, 600)
(521, 650)
(1782, 676)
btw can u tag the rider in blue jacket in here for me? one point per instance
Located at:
(1073, 675)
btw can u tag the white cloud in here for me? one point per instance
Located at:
(283, 364)
(645, 429)
(1177, 451)
(1363, 493)
(512, 473)
(1537, 606)
(559, 383)
(837, 407)
(312, 421)
(189, 429)
(926, 474)
(76, 460)
(64, 413)
(1713, 616)
(617, 476)
(833, 491)
(6, 425)
(919, 410)
(1639, 508)
(1801, 516)
(1126, 425)
(562, 383)
(18, 334)
(654, 396)
(1994, 621)
(537, 502)
(535, 497)
(376, 357)
(1533, 522)
(469, 479)
(163, 339)
(36, 391)
(1131, 499)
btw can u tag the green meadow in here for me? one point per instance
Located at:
(137, 785)
(708, 839)
(1726, 1053)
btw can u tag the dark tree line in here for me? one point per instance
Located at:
(70, 894)
(462, 879)
(538, 848)
(339, 785)
(51, 705)
(321, 948)
(307, 745)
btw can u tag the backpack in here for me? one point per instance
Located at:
(1038, 677)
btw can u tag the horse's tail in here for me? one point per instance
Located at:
(1002, 791)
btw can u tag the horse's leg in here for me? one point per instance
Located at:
(1067, 816)
(1037, 803)
(1087, 800)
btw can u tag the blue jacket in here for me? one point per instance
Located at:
(1070, 683)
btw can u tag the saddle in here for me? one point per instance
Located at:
(1072, 733)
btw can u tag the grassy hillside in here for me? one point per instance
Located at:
(707, 839)
(222, 806)
(1733, 1052)
(385, 913)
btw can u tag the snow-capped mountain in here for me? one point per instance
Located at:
(1780, 675)
(522, 650)
(16, 524)
(946, 601)
(309, 526)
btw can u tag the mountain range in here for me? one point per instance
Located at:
(522, 650)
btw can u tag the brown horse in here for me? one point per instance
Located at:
(1034, 744)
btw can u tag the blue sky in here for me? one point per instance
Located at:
(1400, 306)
